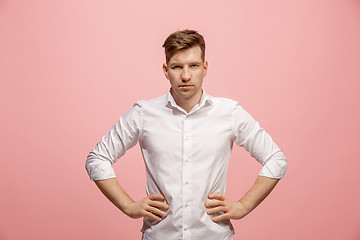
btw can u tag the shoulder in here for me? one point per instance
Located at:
(223, 102)
(151, 102)
(230, 107)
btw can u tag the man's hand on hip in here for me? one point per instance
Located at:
(227, 208)
(236, 210)
(152, 206)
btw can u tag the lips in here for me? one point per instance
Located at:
(185, 86)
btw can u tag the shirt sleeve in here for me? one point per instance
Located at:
(124, 134)
(259, 144)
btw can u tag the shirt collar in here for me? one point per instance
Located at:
(205, 100)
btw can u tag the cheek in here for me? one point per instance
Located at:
(171, 79)
(172, 76)
(200, 76)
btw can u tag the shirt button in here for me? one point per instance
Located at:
(187, 160)
(187, 182)
(185, 228)
(186, 204)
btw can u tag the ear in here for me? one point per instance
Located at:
(205, 68)
(164, 67)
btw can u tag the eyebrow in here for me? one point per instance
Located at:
(196, 62)
(191, 63)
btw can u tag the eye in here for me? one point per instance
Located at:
(176, 67)
(194, 65)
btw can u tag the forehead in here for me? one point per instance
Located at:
(192, 54)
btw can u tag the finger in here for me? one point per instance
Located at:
(156, 211)
(215, 203)
(218, 196)
(158, 204)
(157, 197)
(153, 216)
(216, 210)
(220, 217)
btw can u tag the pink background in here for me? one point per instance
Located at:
(69, 69)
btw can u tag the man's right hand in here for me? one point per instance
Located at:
(152, 206)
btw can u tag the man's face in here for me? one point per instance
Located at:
(185, 71)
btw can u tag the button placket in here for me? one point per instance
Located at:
(186, 178)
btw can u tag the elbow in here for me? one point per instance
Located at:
(275, 167)
(98, 169)
(283, 165)
(88, 162)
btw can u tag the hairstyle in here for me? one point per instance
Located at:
(184, 39)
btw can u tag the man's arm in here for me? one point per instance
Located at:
(259, 144)
(237, 210)
(152, 206)
(122, 136)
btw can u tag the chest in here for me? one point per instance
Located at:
(167, 130)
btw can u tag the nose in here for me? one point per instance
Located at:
(185, 74)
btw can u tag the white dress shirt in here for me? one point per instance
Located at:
(186, 157)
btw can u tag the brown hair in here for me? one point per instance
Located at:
(183, 40)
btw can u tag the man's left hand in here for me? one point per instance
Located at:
(227, 208)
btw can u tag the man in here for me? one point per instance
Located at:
(186, 137)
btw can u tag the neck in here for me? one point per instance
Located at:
(187, 103)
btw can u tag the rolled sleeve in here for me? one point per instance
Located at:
(123, 135)
(259, 144)
(275, 167)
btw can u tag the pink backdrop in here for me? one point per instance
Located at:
(69, 69)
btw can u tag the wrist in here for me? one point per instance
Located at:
(126, 207)
(246, 207)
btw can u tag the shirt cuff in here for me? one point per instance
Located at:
(100, 171)
(275, 167)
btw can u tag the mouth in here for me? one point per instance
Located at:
(185, 86)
